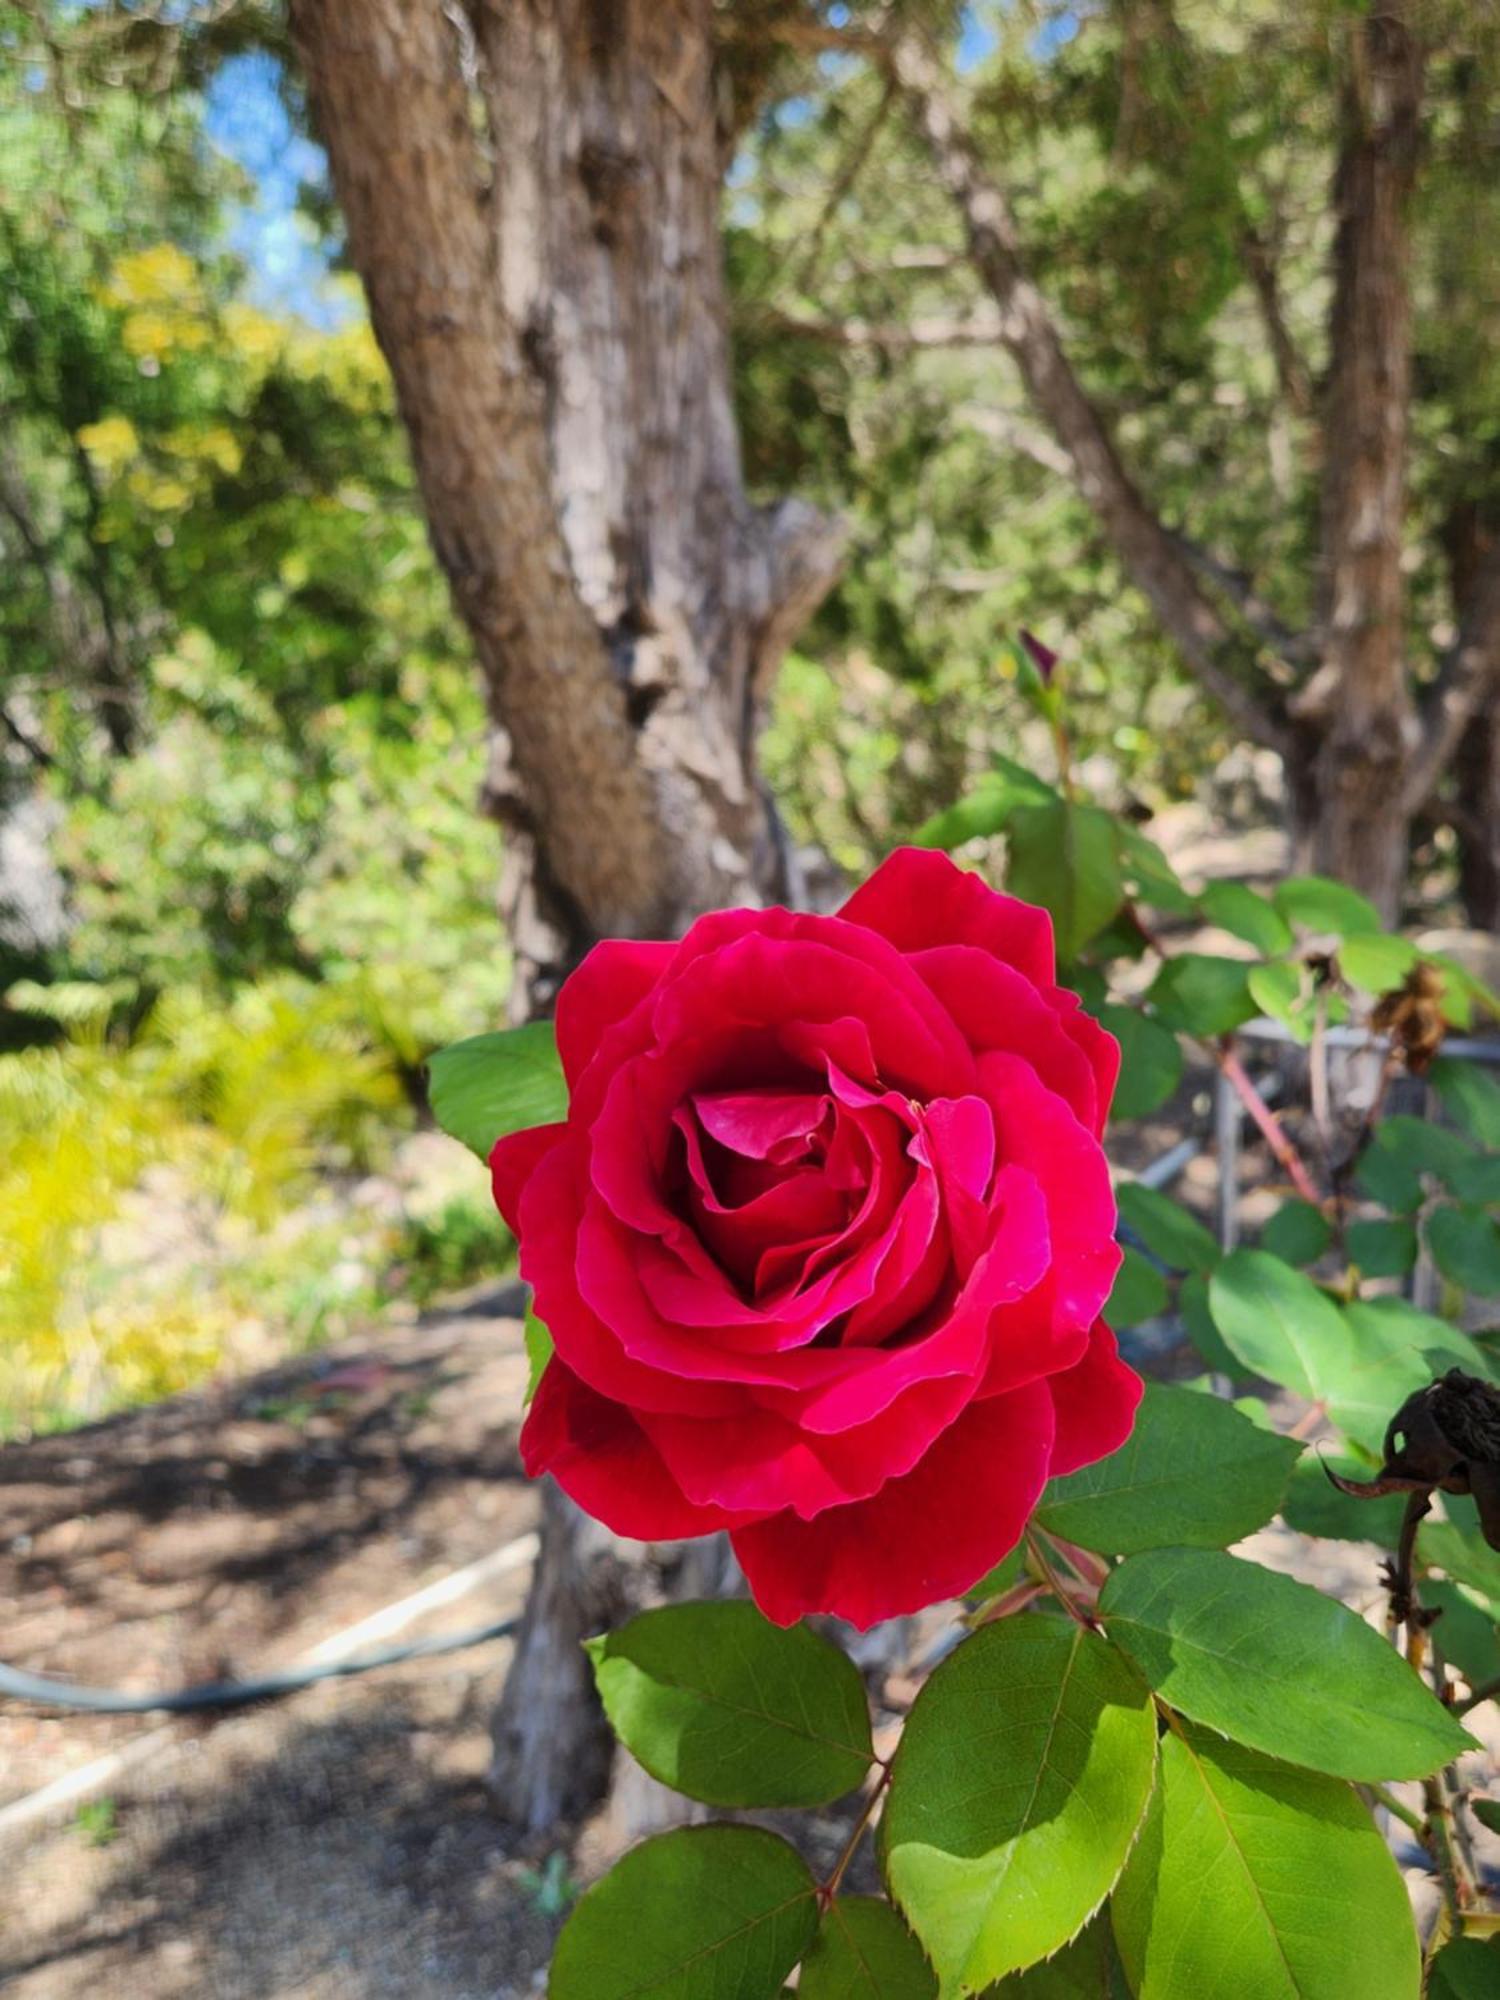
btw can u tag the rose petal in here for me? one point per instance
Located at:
(922, 1537)
(513, 1160)
(918, 898)
(1095, 1404)
(549, 1220)
(600, 1456)
(610, 984)
(998, 1009)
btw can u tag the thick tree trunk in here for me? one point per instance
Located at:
(531, 189)
(1359, 701)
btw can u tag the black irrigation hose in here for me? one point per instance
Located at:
(40, 1692)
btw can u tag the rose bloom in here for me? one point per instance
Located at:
(824, 1239)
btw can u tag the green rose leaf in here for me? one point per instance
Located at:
(1470, 1096)
(1317, 903)
(1279, 990)
(1019, 1784)
(538, 1349)
(1487, 1812)
(1149, 875)
(1465, 1246)
(1403, 1150)
(726, 1910)
(1198, 994)
(1139, 1292)
(1465, 1970)
(1198, 1324)
(1253, 1878)
(1298, 1233)
(1476, 1178)
(985, 811)
(1193, 1473)
(1150, 1061)
(863, 1951)
(1063, 857)
(1468, 1637)
(1279, 1323)
(1462, 1555)
(1245, 914)
(721, 1704)
(1087, 1969)
(1382, 1249)
(1276, 1665)
(490, 1085)
(1376, 964)
(1166, 1228)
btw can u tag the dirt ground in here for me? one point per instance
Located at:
(334, 1846)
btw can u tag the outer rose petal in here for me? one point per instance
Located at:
(918, 898)
(513, 1160)
(1095, 1404)
(600, 1456)
(922, 1537)
(610, 983)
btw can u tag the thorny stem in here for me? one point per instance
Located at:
(829, 1889)
(1266, 1121)
(1394, 1807)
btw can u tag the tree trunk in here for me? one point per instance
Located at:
(1359, 701)
(1476, 772)
(531, 190)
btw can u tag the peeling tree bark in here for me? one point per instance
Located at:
(531, 190)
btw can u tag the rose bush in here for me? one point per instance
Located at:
(823, 1241)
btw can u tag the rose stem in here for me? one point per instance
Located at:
(829, 1889)
(1269, 1125)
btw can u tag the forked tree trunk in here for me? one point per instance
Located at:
(531, 189)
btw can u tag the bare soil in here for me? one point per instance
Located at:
(337, 1845)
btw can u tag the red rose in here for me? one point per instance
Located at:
(824, 1239)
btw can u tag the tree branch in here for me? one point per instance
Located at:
(886, 337)
(1222, 661)
(1292, 371)
(1297, 648)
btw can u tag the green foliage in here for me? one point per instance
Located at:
(1193, 1472)
(1298, 1233)
(726, 1910)
(494, 1084)
(1139, 1291)
(1252, 1877)
(1275, 1665)
(863, 1951)
(729, 1709)
(992, 1878)
(1166, 1228)
(186, 1139)
(1150, 1061)
(1279, 1323)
